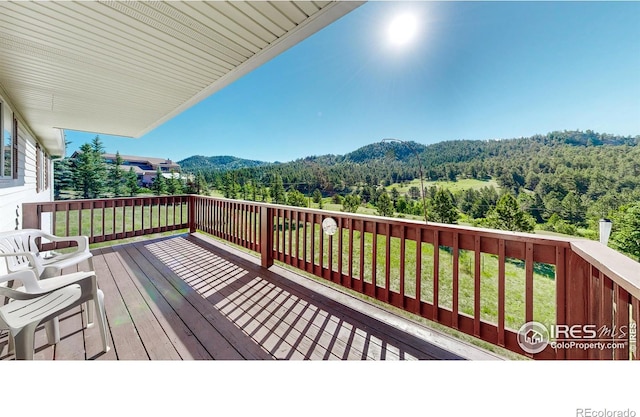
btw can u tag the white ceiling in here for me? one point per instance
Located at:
(125, 67)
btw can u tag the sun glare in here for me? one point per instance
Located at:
(402, 29)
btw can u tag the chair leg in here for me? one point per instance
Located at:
(52, 328)
(98, 301)
(88, 306)
(24, 339)
(12, 344)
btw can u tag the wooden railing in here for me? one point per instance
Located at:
(109, 219)
(482, 282)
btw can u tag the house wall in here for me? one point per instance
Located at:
(14, 192)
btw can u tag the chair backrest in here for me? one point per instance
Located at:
(17, 241)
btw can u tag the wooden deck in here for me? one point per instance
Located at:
(190, 297)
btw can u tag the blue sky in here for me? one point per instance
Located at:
(475, 70)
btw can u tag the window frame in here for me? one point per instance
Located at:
(7, 174)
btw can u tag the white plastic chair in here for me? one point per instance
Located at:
(20, 250)
(36, 303)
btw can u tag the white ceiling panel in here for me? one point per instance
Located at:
(125, 67)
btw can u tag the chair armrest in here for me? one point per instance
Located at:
(32, 287)
(81, 241)
(27, 277)
(35, 260)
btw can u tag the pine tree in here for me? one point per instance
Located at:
(90, 172)
(277, 191)
(296, 198)
(62, 177)
(384, 205)
(174, 184)
(626, 233)
(443, 209)
(507, 215)
(351, 203)
(131, 182)
(159, 185)
(117, 177)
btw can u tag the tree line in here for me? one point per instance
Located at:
(562, 182)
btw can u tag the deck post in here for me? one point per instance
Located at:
(266, 236)
(577, 280)
(191, 202)
(31, 216)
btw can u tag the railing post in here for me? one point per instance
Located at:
(578, 276)
(191, 202)
(30, 216)
(266, 236)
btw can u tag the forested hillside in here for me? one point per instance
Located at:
(216, 163)
(562, 181)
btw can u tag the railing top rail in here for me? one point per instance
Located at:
(550, 240)
(622, 270)
(94, 200)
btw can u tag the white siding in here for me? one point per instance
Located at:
(14, 192)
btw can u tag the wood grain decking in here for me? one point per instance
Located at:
(189, 297)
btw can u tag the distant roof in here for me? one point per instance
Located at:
(134, 158)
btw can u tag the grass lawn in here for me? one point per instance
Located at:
(453, 186)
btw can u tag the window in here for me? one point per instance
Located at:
(38, 168)
(8, 144)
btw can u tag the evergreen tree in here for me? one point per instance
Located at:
(131, 182)
(384, 205)
(90, 172)
(443, 209)
(62, 177)
(201, 184)
(351, 203)
(174, 184)
(117, 177)
(626, 230)
(317, 196)
(159, 184)
(414, 193)
(296, 198)
(573, 210)
(277, 190)
(507, 215)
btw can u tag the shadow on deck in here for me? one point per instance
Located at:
(190, 297)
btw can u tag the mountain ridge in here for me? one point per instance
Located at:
(443, 152)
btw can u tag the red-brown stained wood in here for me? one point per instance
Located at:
(436, 275)
(529, 282)
(576, 297)
(621, 322)
(561, 280)
(387, 265)
(456, 281)
(636, 318)
(606, 311)
(476, 287)
(340, 249)
(403, 248)
(501, 292)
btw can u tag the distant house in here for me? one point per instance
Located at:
(145, 167)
